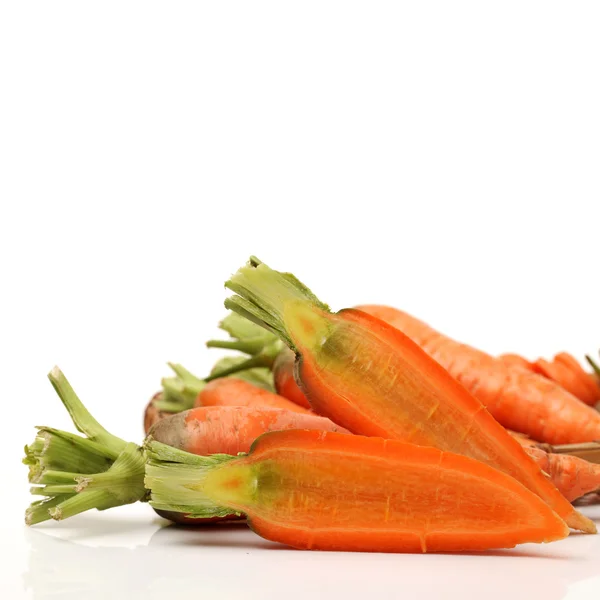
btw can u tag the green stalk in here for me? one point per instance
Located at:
(180, 393)
(174, 479)
(241, 329)
(263, 296)
(78, 473)
(594, 365)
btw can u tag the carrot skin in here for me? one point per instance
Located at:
(236, 392)
(209, 430)
(285, 381)
(573, 476)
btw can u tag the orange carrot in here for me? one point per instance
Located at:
(285, 381)
(231, 429)
(237, 392)
(372, 379)
(569, 374)
(227, 429)
(515, 360)
(518, 399)
(564, 370)
(574, 477)
(309, 490)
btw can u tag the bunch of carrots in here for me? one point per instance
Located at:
(363, 429)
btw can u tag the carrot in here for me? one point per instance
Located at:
(569, 374)
(574, 477)
(564, 370)
(515, 360)
(152, 414)
(181, 391)
(309, 490)
(518, 399)
(285, 381)
(231, 429)
(236, 392)
(227, 429)
(374, 380)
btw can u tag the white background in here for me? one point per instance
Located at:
(439, 157)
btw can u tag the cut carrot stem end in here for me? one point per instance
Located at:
(78, 473)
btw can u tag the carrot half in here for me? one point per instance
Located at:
(374, 380)
(517, 398)
(237, 392)
(315, 490)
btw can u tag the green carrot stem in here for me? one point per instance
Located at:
(241, 329)
(77, 473)
(248, 346)
(264, 294)
(185, 375)
(593, 364)
(174, 480)
(38, 511)
(81, 417)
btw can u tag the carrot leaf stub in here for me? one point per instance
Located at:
(73, 473)
(328, 491)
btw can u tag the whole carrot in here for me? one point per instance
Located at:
(315, 490)
(374, 380)
(231, 429)
(517, 398)
(236, 392)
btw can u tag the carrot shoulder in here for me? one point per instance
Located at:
(374, 380)
(307, 489)
(518, 398)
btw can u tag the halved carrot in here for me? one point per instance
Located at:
(323, 490)
(374, 380)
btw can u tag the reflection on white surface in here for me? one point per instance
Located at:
(99, 561)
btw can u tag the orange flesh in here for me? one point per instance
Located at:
(334, 492)
(375, 381)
